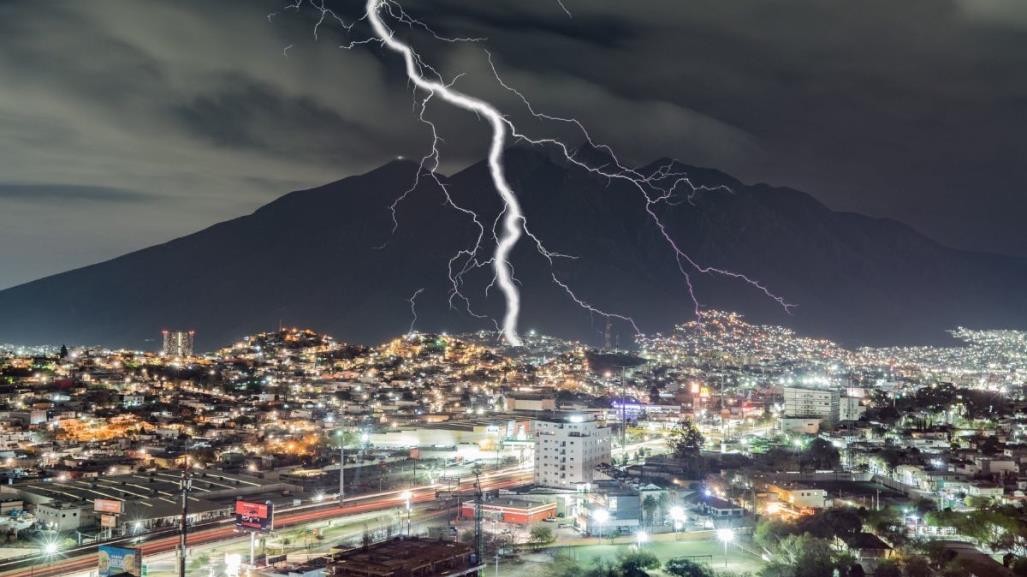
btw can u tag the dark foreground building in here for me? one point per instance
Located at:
(405, 557)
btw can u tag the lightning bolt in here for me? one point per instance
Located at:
(413, 310)
(660, 186)
(513, 217)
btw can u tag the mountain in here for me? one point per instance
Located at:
(326, 258)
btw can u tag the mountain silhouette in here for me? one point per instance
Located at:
(327, 258)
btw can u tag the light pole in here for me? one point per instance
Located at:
(726, 536)
(640, 538)
(342, 464)
(407, 496)
(185, 485)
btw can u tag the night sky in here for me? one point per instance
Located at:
(125, 123)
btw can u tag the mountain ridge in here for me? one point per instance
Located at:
(325, 257)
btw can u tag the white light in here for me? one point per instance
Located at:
(641, 537)
(233, 562)
(513, 217)
(50, 548)
(677, 513)
(725, 535)
(601, 515)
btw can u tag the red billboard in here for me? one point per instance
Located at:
(253, 516)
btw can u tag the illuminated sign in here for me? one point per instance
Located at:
(113, 560)
(255, 517)
(108, 506)
(109, 521)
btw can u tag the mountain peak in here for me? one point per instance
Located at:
(332, 259)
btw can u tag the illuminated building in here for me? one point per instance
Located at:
(805, 403)
(568, 448)
(178, 343)
(513, 511)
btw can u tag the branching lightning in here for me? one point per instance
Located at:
(660, 186)
(413, 309)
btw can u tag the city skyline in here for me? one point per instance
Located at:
(558, 288)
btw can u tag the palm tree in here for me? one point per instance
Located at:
(664, 503)
(649, 506)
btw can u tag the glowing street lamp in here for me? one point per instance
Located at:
(407, 496)
(601, 516)
(640, 538)
(677, 514)
(726, 536)
(49, 550)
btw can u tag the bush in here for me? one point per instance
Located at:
(686, 568)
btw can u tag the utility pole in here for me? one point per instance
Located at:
(479, 537)
(186, 485)
(623, 411)
(342, 470)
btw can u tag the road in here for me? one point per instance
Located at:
(73, 563)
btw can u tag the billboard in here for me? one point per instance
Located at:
(255, 517)
(113, 560)
(109, 521)
(108, 506)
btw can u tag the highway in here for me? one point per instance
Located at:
(84, 559)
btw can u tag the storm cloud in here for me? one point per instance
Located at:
(124, 123)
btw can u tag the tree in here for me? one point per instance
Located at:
(686, 440)
(635, 563)
(769, 533)
(819, 454)
(916, 566)
(664, 502)
(541, 536)
(887, 568)
(831, 523)
(802, 556)
(687, 568)
(649, 506)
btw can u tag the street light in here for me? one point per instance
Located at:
(407, 496)
(601, 516)
(677, 514)
(641, 537)
(726, 536)
(49, 549)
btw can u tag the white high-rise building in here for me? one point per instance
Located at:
(568, 448)
(805, 403)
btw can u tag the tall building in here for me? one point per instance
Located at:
(178, 343)
(805, 403)
(850, 409)
(568, 447)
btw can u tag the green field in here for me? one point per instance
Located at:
(706, 551)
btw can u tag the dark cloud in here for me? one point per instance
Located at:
(62, 193)
(912, 109)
